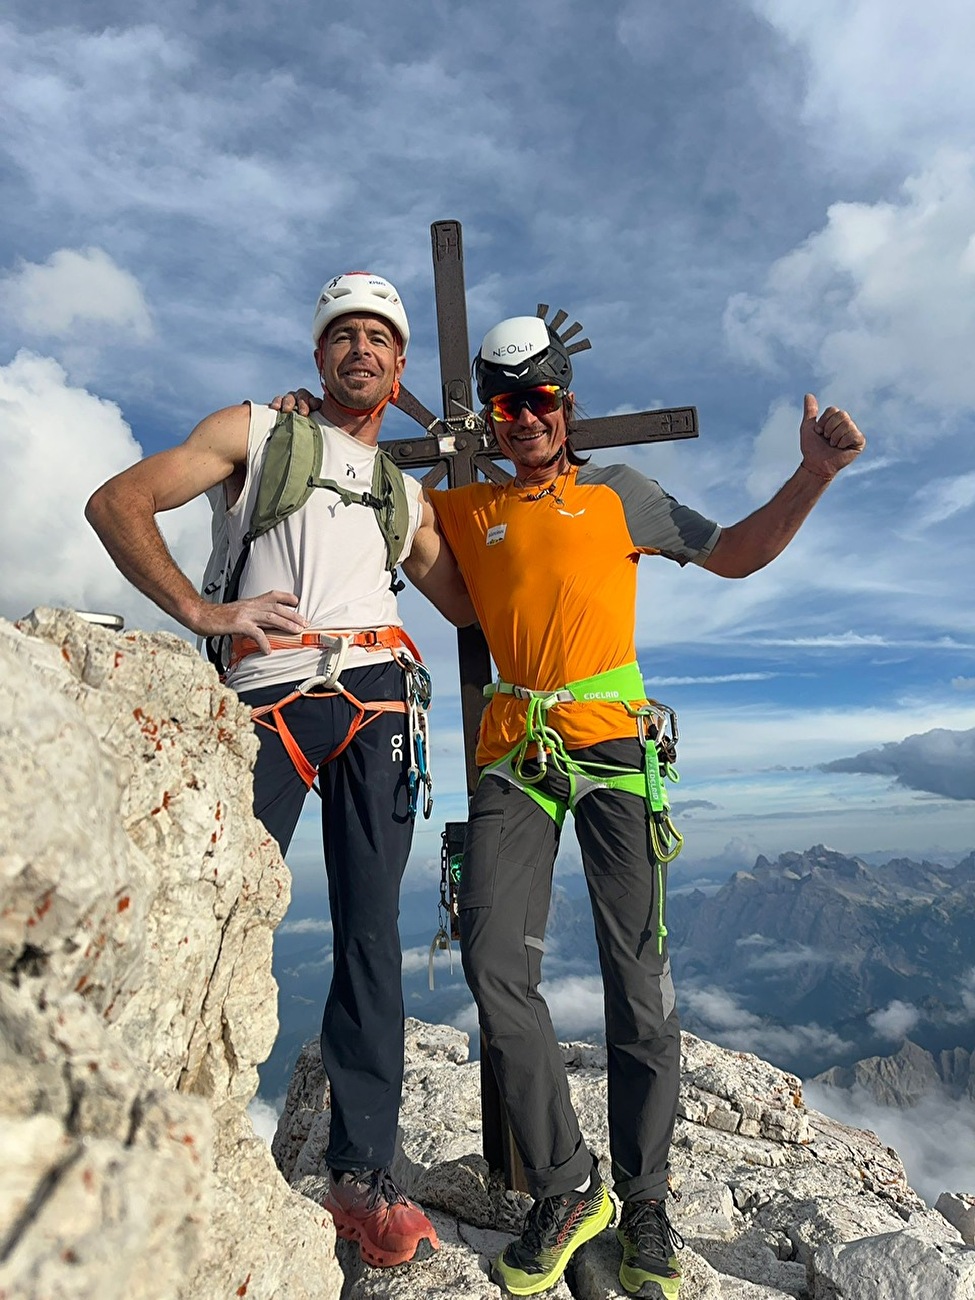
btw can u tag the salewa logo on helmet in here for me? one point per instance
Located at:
(601, 695)
(507, 349)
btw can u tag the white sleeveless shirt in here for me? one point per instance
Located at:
(332, 556)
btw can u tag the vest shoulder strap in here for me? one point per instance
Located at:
(292, 462)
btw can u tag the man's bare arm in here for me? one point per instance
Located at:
(432, 568)
(123, 510)
(828, 442)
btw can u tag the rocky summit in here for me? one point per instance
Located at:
(140, 897)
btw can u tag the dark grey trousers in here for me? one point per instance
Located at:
(504, 897)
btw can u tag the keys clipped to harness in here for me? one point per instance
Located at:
(451, 859)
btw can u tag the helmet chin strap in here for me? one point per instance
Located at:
(373, 413)
(558, 459)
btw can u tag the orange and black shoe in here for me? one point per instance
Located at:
(555, 1227)
(369, 1208)
(650, 1243)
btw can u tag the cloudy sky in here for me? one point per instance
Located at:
(741, 202)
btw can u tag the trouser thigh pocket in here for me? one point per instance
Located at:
(479, 868)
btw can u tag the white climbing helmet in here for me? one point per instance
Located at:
(360, 291)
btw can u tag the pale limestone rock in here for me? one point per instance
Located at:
(959, 1210)
(708, 1211)
(140, 897)
(754, 1208)
(894, 1266)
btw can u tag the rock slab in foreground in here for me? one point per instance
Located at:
(139, 900)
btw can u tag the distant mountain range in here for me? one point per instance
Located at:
(859, 955)
(827, 958)
(822, 938)
(907, 1076)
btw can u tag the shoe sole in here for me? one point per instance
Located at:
(375, 1256)
(592, 1228)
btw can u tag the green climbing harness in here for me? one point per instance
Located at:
(657, 729)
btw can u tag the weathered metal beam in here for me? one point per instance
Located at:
(666, 425)
(448, 283)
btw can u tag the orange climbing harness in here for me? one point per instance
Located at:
(335, 647)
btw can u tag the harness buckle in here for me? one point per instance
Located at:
(335, 650)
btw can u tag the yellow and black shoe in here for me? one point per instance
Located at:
(555, 1227)
(650, 1242)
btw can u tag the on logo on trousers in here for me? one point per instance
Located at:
(397, 744)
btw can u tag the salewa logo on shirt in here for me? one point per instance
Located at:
(496, 534)
(573, 514)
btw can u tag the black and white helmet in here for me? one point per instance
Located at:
(521, 352)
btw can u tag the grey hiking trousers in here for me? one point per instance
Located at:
(504, 897)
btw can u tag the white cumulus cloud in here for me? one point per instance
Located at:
(895, 1021)
(57, 444)
(73, 289)
(880, 300)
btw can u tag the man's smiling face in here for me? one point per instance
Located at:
(533, 443)
(360, 359)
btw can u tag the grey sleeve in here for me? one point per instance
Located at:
(656, 521)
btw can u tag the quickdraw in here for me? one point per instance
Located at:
(419, 692)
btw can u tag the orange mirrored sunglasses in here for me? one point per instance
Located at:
(543, 400)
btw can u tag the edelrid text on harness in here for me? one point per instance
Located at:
(290, 473)
(335, 646)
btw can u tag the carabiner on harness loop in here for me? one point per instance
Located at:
(419, 692)
(335, 651)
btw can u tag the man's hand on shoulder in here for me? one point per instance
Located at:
(829, 442)
(299, 400)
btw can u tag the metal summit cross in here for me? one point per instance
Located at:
(459, 448)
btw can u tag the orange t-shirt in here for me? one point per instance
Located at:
(553, 581)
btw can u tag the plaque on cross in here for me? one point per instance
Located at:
(458, 446)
